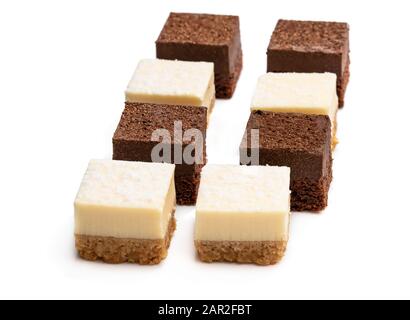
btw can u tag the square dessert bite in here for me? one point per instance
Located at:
(311, 46)
(173, 83)
(182, 133)
(124, 212)
(205, 37)
(301, 142)
(243, 214)
(308, 93)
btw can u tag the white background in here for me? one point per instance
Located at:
(63, 69)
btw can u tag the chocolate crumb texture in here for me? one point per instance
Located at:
(311, 46)
(301, 142)
(205, 37)
(132, 140)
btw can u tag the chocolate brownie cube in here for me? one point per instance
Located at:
(311, 46)
(134, 141)
(301, 142)
(205, 37)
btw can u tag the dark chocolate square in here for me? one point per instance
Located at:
(298, 141)
(309, 46)
(205, 37)
(132, 140)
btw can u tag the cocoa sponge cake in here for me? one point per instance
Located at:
(242, 214)
(124, 212)
(205, 37)
(172, 96)
(301, 142)
(294, 117)
(134, 140)
(311, 46)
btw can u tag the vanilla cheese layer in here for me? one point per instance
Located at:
(240, 203)
(172, 82)
(125, 200)
(234, 226)
(308, 93)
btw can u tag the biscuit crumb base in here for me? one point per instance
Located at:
(115, 250)
(257, 252)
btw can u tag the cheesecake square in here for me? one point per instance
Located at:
(205, 37)
(173, 83)
(300, 142)
(307, 93)
(135, 140)
(311, 47)
(124, 212)
(243, 214)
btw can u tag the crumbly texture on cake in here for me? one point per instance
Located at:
(311, 46)
(115, 250)
(311, 195)
(199, 29)
(204, 37)
(283, 131)
(187, 184)
(140, 120)
(301, 142)
(342, 83)
(257, 252)
(225, 85)
(310, 36)
(132, 140)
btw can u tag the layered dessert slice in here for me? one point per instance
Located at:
(182, 132)
(307, 93)
(205, 37)
(311, 46)
(124, 212)
(161, 95)
(173, 83)
(299, 141)
(243, 214)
